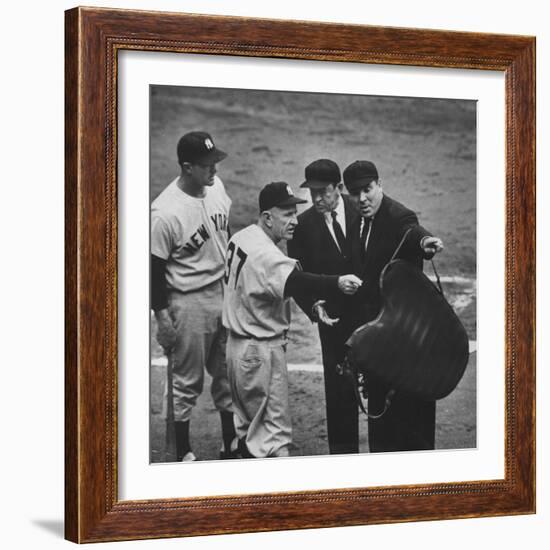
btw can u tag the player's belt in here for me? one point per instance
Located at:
(282, 337)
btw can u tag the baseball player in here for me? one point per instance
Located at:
(259, 280)
(189, 234)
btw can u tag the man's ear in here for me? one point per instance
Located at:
(266, 217)
(185, 168)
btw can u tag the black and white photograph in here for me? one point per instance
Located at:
(313, 274)
(133, 405)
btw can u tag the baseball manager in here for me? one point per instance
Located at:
(260, 279)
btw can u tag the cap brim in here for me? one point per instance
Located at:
(213, 157)
(317, 184)
(291, 201)
(361, 182)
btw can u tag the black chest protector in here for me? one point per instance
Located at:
(417, 344)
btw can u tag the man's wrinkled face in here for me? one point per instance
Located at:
(368, 198)
(326, 198)
(283, 221)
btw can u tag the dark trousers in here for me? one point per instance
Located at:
(408, 425)
(341, 403)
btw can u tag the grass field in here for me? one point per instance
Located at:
(425, 152)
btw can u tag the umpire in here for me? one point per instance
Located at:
(409, 423)
(321, 243)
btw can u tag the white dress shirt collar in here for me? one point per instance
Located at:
(340, 217)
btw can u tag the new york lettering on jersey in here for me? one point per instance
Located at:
(191, 234)
(201, 235)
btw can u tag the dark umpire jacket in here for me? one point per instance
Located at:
(409, 424)
(389, 225)
(315, 248)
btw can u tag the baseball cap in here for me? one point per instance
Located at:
(277, 193)
(359, 173)
(321, 173)
(199, 148)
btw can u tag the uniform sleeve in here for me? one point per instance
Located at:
(159, 294)
(297, 248)
(162, 239)
(300, 282)
(276, 275)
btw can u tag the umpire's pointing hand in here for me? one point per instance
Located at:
(431, 245)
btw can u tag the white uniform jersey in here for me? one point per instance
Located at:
(256, 271)
(190, 233)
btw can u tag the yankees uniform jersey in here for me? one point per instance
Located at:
(256, 272)
(190, 233)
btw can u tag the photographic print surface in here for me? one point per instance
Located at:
(424, 150)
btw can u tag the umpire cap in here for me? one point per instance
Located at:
(277, 193)
(321, 173)
(199, 148)
(360, 173)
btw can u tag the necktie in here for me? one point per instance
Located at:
(338, 233)
(364, 234)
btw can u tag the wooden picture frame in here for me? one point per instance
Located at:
(93, 511)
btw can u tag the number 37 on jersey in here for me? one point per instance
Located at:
(236, 258)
